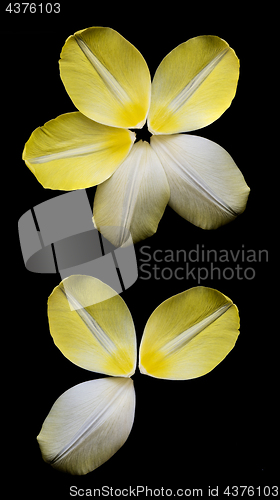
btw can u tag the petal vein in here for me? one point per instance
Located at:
(92, 325)
(196, 82)
(185, 337)
(110, 81)
(70, 153)
(92, 423)
(198, 183)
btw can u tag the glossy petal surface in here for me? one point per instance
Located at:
(206, 186)
(189, 334)
(106, 77)
(92, 326)
(73, 152)
(194, 84)
(134, 198)
(88, 424)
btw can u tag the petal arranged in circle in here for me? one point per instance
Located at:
(194, 84)
(106, 77)
(133, 199)
(189, 334)
(88, 424)
(206, 186)
(74, 152)
(92, 326)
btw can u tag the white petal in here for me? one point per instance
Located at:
(206, 186)
(133, 199)
(88, 424)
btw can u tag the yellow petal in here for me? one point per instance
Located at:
(73, 152)
(193, 85)
(92, 326)
(106, 77)
(88, 424)
(206, 186)
(133, 199)
(189, 334)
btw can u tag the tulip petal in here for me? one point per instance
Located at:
(92, 326)
(194, 84)
(206, 186)
(73, 152)
(88, 424)
(133, 199)
(189, 334)
(106, 77)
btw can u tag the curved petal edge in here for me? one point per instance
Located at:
(206, 186)
(73, 152)
(92, 326)
(193, 86)
(106, 77)
(88, 424)
(189, 334)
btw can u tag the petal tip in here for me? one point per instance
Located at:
(132, 136)
(143, 370)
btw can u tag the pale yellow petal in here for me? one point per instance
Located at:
(133, 200)
(106, 77)
(88, 424)
(92, 326)
(193, 85)
(206, 186)
(189, 334)
(73, 152)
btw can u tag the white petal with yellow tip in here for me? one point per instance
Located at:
(189, 334)
(92, 326)
(88, 424)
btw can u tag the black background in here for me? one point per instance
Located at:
(219, 429)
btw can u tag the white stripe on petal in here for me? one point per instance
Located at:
(187, 92)
(189, 334)
(109, 80)
(94, 328)
(186, 336)
(194, 84)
